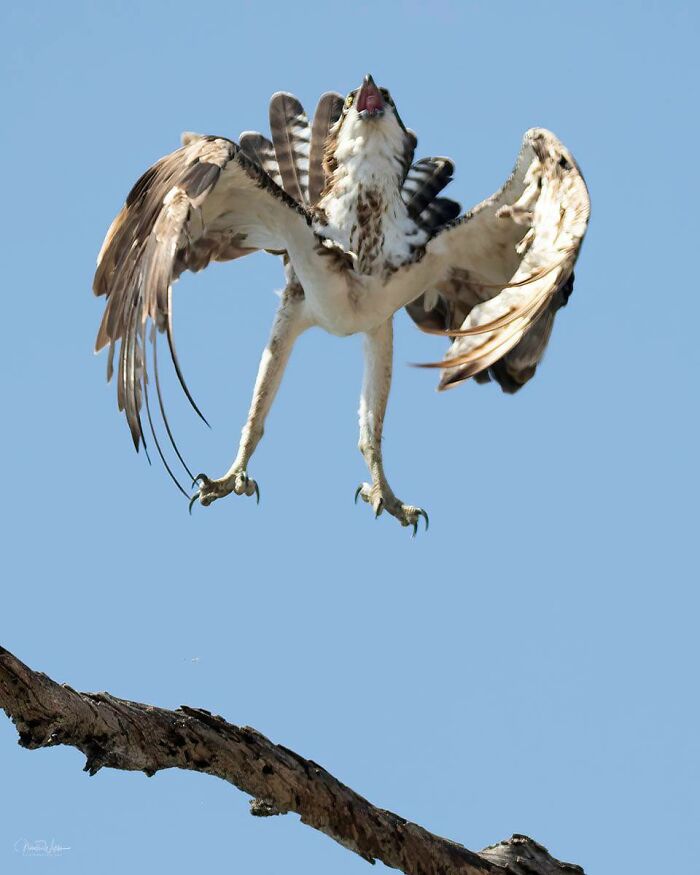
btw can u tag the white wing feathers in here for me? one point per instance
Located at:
(508, 264)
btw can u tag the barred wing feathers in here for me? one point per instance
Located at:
(508, 267)
(204, 202)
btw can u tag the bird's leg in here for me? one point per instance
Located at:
(290, 321)
(375, 393)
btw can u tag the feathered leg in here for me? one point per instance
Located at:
(375, 393)
(291, 320)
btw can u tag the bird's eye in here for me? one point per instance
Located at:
(348, 100)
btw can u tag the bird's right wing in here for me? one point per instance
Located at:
(207, 201)
(507, 267)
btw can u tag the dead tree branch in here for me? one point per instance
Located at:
(118, 734)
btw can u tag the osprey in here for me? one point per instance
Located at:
(362, 232)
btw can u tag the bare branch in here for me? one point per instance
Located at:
(118, 734)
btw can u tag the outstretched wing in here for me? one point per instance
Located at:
(507, 267)
(205, 202)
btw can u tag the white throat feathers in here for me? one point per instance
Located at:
(363, 206)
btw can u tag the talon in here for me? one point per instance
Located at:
(380, 508)
(357, 492)
(202, 477)
(257, 493)
(415, 528)
(422, 513)
(192, 501)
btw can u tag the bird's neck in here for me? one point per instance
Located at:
(362, 205)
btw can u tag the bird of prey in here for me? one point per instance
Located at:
(362, 231)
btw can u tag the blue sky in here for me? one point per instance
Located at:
(530, 665)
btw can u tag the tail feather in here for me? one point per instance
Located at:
(291, 137)
(327, 114)
(437, 213)
(260, 149)
(424, 181)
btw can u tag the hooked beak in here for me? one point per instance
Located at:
(369, 103)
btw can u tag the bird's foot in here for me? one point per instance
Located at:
(210, 490)
(381, 498)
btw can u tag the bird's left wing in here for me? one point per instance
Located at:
(207, 201)
(506, 267)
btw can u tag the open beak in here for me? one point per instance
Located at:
(369, 103)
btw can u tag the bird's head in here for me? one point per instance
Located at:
(370, 127)
(368, 101)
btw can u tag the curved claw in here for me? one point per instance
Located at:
(357, 492)
(202, 477)
(380, 508)
(192, 502)
(257, 493)
(421, 513)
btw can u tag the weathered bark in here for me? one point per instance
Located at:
(118, 734)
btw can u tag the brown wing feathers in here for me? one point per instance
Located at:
(137, 264)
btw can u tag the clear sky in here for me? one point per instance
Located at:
(531, 665)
